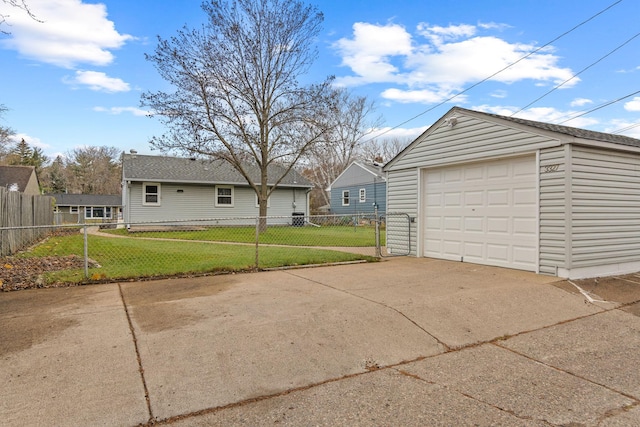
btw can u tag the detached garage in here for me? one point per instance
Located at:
(515, 193)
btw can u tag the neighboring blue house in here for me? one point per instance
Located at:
(359, 189)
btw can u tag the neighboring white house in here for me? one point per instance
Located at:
(516, 193)
(159, 188)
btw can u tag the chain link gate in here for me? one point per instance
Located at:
(398, 231)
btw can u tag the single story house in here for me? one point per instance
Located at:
(87, 208)
(509, 192)
(20, 178)
(160, 188)
(359, 189)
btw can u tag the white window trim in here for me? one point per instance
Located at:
(144, 193)
(268, 202)
(88, 209)
(363, 195)
(73, 209)
(348, 197)
(224, 205)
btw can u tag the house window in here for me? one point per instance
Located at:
(363, 195)
(151, 194)
(73, 209)
(345, 197)
(268, 202)
(97, 212)
(224, 196)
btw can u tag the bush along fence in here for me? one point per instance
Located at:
(82, 253)
(20, 214)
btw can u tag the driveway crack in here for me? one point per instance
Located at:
(135, 345)
(438, 340)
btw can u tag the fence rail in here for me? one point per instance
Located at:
(161, 249)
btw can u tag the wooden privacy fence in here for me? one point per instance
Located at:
(18, 210)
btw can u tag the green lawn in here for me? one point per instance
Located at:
(327, 236)
(123, 258)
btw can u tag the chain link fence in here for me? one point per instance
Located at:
(109, 252)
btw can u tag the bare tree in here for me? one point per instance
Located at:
(383, 150)
(18, 4)
(351, 124)
(237, 96)
(93, 170)
(5, 136)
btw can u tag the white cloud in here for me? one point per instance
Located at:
(119, 110)
(633, 105)
(370, 50)
(424, 96)
(71, 33)
(540, 114)
(580, 102)
(499, 94)
(444, 62)
(98, 81)
(439, 35)
(493, 26)
(31, 140)
(631, 129)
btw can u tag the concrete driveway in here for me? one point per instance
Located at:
(401, 342)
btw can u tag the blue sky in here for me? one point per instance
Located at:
(75, 79)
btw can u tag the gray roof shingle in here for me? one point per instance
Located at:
(19, 175)
(566, 130)
(63, 199)
(138, 167)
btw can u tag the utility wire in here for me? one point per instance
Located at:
(499, 71)
(585, 112)
(576, 75)
(626, 128)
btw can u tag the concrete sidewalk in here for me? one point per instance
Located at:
(401, 342)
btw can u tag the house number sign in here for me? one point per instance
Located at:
(551, 168)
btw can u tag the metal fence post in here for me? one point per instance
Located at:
(86, 253)
(257, 241)
(377, 221)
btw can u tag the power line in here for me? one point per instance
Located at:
(626, 128)
(499, 71)
(583, 113)
(577, 74)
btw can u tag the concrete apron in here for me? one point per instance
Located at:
(358, 344)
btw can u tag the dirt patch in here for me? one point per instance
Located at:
(621, 289)
(27, 273)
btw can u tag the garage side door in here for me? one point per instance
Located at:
(484, 213)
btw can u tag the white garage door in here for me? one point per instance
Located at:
(484, 213)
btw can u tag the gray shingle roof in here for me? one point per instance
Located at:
(19, 175)
(138, 167)
(566, 130)
(87, 199)
(375, 170)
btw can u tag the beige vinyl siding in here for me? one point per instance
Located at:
(553, 198)
(470, 139)
(402, 194)
(606, 207)
(196, 202)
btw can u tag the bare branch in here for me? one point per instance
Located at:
(236, 92)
